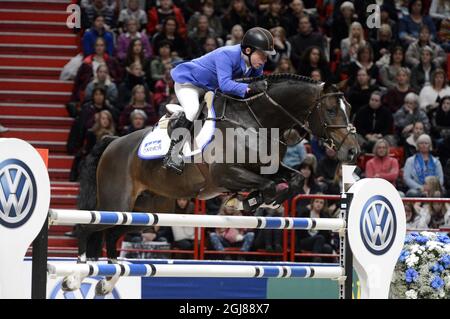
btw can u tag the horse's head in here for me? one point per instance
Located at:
(330, 121)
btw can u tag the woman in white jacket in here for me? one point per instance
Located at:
(430, 95)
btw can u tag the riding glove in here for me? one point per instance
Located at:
(257, 87)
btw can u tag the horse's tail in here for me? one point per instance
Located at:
(87, 199)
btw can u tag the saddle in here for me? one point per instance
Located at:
(156, 143)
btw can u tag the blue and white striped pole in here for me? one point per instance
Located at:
(68, 217)
(221, 271)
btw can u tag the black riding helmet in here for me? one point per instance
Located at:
(258, 39)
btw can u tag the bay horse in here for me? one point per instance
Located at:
(125, 182)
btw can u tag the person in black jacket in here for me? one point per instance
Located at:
(374, 121)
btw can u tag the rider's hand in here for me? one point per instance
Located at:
(256, 87)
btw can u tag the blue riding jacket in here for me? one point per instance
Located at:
(217, 69)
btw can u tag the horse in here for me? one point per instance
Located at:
(125, 182)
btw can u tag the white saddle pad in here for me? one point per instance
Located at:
(156, 143)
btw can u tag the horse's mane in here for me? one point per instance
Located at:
(272, 78)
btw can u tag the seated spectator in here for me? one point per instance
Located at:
(292, 16)
(138, 118)
(100, 8)
(440, 9)
(414, 49)
(169, 33)
(132, 12)
(431, 95)
(326, 169)
(273, 17)
(238, 13)
(440, 122)
(374, 122)
(395, 97)
(89, 67)
(125, 39)
(183, 236)
(197, 37)
(138, 101)
(304, 39)
(388, 73)
(295, 153)
(285, 66)
(91, 35)
(104, 125)
(3, 129)
(314, 59)
(351, 44)
(421, 74)
(135, 76)
(364, 60)
(421, 165)
(382, 165)
(409, 25)
(158, 15)
(269, 239)
(431, 186)
(436, 214)
(444, 35)
(227, 237)
(316, 241)
(359, 94)
(335, 187)
(213, 20)
(282, 47)
(164, 92)
(162, 61)
(210, 44)
(310, 186)
(410, 113)
(342, 24)
(414, 220)
(236, 35)
(411, 140)
(382, 45)
(102, 79)
(135, 55)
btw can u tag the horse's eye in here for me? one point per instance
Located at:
(331, 112)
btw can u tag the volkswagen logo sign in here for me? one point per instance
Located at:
(86, 291)
(18, 193)
(378, 225)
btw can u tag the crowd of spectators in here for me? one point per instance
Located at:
(394, 75)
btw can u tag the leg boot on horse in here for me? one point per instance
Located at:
(174, 157)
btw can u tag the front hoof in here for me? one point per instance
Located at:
(71, 283)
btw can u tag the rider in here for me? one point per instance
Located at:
(217, 70)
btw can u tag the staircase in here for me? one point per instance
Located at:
(35, 44)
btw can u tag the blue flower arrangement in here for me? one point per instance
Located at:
(423, 268)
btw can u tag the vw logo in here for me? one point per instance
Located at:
(86, 291)
(378, 225)
(18, 193)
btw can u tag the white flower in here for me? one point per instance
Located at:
(411, 260)
(411, 294)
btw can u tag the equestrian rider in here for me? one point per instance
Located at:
(217, 70)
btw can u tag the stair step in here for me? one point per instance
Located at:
(39, 134)
(36, 121)
(34, 60)
(38, 49)
(52, 146)
(56, 230)
(38, 38)
(34, 26)
(62, 241)
(29, 109)
(33, 15)
(59, 174)
(65, 190)
(34, 96)
(29, 72)
(36, 5)
(63, 201)
(60, 161)
(35, 85)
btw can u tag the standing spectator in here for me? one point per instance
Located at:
(100, 8)
(409, 26)
(132, 12)
(125, 39)
(364, 60)
(411, 140)
(97, 31)
(388, 73)
(316, 241)
(374, 122)
(102, 79)
(282, 47)
(183, 236)
(395, 97)
(431, 95)
(415, 49)
(169, 33)
(313, 59)
(421, 165)
(237, 33)
(410, 113)
(351, 44)
(138, 101)
(213, 20)
(238, 13)
(303, 40)
(359, 94)
(382, 165)
(421, 74)
(157, 16)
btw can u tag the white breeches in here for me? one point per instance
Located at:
(188, 95)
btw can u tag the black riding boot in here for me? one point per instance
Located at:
(174, 158)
